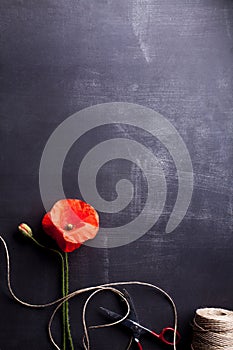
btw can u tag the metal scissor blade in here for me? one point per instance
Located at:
(133, 326)
(133, 313)
(110, 314)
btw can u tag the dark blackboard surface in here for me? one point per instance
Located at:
(176, 57)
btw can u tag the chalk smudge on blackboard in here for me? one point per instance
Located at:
(228, 23)
(106, 265)
(141, 12)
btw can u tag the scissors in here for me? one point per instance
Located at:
(132, 323)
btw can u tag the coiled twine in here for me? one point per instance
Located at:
(213, 329)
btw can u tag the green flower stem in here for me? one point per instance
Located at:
(67, 303)
(63, 305)
(64, 293)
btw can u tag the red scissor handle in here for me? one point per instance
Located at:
(138, 344)
(163, 335)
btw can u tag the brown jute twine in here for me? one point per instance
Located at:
(93, 290)
(213, 329)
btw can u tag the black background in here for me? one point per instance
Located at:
(176, 57)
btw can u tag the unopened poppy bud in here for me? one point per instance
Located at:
(25, 230)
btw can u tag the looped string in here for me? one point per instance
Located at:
(86, 342)
(95, 289)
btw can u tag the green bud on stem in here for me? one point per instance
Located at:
(25, 230)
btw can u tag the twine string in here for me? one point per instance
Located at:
(213, 329)
(86, 341)
(94, 289)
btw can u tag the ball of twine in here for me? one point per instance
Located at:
(213, 329)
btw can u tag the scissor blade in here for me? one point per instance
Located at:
(133, 326)
(133, 313)
(110, 314)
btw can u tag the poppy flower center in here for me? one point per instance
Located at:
(69, 227)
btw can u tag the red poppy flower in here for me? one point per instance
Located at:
(71, 222)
